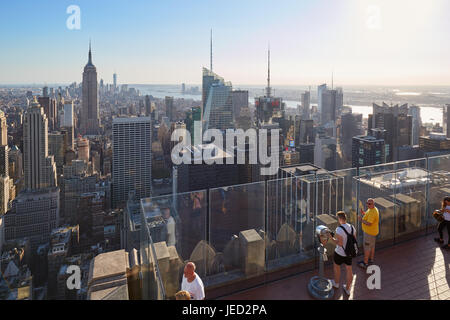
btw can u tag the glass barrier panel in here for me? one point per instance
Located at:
(177, 226)
(324, 195)
(410, 195)
(287, 233)
(237, 233)
(152, 281)
(376, 182)
(346, 188)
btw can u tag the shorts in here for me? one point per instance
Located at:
(369, 241)
(338, 259)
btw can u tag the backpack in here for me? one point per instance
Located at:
(351, 247)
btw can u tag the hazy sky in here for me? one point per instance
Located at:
(383, 42)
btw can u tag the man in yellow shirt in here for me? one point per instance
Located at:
(370, 221)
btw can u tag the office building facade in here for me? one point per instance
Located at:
(132, 154)
(39, 167)
(217, 106)
(367, 151)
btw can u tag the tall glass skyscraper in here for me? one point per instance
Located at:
(217, 103)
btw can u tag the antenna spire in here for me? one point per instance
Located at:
(211, 53)
(268, 72)
(332, 79)
(90, 53)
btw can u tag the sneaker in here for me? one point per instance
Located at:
(438, 240)
(370, 262)
(362, 264)
(347, 292)
(334, 284)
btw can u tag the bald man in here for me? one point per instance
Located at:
(192, 282)
(370, 220)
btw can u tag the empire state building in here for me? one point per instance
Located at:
(90, 120)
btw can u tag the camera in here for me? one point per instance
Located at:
(323, 234)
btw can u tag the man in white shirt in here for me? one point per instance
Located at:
(340, 257)
(192, 282)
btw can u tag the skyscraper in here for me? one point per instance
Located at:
(325, 151)
(448, 121)
(398, 126)
(192, 115)
(268, 107)
(5, 181)
(148, 106)
(414, 112)
(3, 129)
(57, 144)
(320, 90)
(90, 121)
(330, 106)
(50, 110)
(351, 126)
(67, 123)
(40, 169)
(239, 101)
(367, 151)
(306, 132)
(306, 105)
(132, 154)
(115, 81)
(35, 211)
(168, 102)
(217, 103)
(83, 149)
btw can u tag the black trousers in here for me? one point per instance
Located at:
(441, 227)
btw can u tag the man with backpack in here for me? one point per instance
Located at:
(346, 250)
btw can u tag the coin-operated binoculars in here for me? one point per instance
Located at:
(320, 287)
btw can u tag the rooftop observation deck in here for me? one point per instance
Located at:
(257, 240)
(416, 269)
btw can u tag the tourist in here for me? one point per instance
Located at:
(170, 227)
(343, 232)
(192, 282)
(370, 220)
(444, 223)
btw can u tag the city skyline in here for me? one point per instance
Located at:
(363, 42)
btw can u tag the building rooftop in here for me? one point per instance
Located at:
(437, 136)
(305, 169)
(367, 138)
(131, 119)
(404, 178)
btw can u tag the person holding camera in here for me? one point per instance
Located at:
(370, 220)
(341, 253)
(445, 223)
